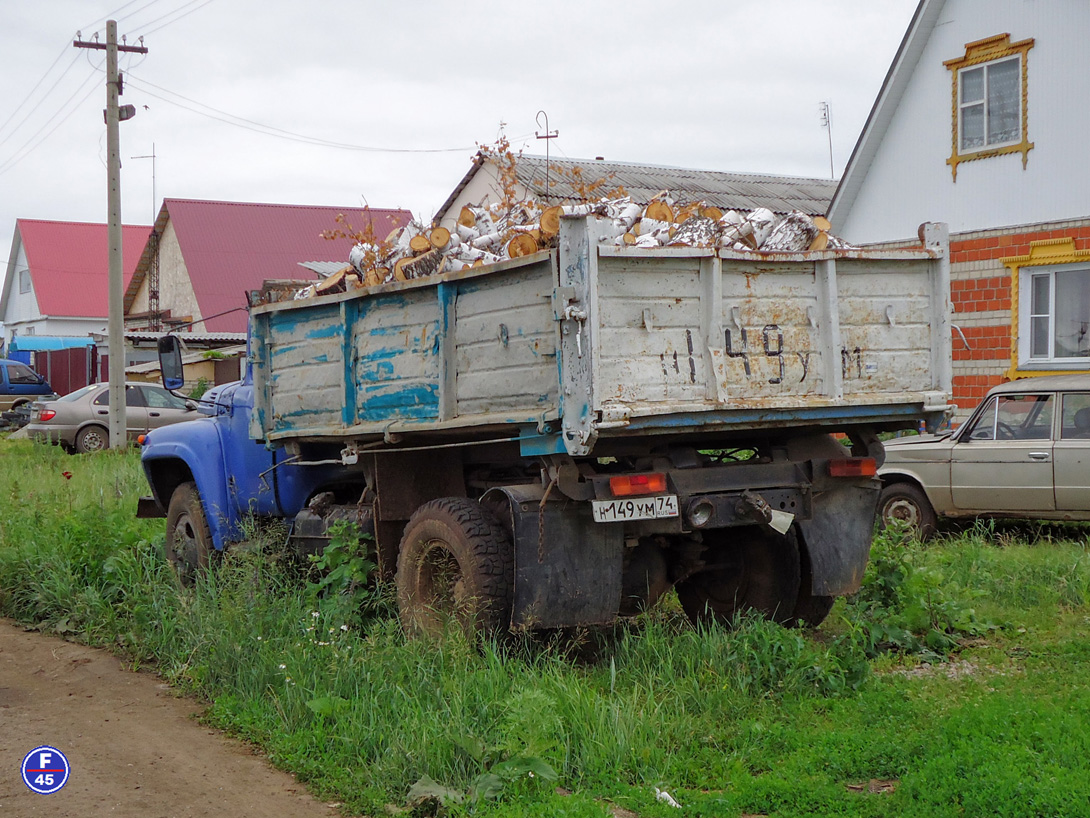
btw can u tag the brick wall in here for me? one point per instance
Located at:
(980, 292)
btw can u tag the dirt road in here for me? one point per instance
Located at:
(134, 749)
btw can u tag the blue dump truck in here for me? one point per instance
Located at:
(560, 439)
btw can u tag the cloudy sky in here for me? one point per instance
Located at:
(341, 103)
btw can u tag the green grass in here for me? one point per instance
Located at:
(958, 676)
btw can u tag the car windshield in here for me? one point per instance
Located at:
(79, 393)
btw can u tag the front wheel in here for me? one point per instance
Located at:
(456, 564)
(906, 503)
(748, 570)
(188, 545)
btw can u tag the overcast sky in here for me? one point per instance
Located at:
(708, 84)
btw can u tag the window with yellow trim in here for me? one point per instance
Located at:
(989, 100)
(1055, 315)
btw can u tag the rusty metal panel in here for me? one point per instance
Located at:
(885, 311)
(304, 368)
(396, 357)
(505, 342)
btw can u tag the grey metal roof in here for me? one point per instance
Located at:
(737, 191)
(1044, 383)
(324, 268)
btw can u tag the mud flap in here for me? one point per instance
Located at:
(838, 537)
(567, 567)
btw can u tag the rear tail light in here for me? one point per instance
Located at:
(46, 414)
(853, 467)
(632, 484)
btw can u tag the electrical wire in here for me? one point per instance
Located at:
(31, 94)
(268, 130)
(113, 14)
(145, 32)
(26, 149)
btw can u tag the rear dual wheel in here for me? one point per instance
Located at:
(751, 570)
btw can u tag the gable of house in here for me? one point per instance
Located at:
(207, 255)
(979, 124)
(58, 272)
(924, 154)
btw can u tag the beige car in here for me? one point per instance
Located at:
(1024, 452)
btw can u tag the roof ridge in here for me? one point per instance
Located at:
(74, 224)
(651, 165)
(282, 205)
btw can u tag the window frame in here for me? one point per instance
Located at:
(25, 284)
(984, 54)
(1048, 256)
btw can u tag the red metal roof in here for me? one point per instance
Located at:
(232, 247)
(69, 264)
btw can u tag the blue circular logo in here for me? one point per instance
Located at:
(45, 769)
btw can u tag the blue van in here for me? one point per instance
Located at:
(20, 384)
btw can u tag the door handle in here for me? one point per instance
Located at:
(153, 414)
(103, 411)
(1038, 455)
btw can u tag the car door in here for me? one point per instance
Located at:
(1003, 462)
(136, 414)
(163, 407)
(1071, 454)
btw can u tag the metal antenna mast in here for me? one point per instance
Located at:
(827, 123)
(546, 136)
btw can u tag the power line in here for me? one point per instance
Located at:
(22, 153)
(37, 85)
(145, 32)
(268, 130)
(112, 14)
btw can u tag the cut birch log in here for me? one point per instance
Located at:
(487, 241)
(822, 224)
(335, 283)
(430, 263)
(711, 212)
(439, 237)
(523, 244)
(420, 243)
(696, 231)
(794, 234)
(550, 221)
(467, 218)
(659, 211)
(763, 221)
(466, 232)
(820, 242)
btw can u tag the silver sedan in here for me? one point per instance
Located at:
(80, 421)
(1024, 452)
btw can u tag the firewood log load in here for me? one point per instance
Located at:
(795, 233)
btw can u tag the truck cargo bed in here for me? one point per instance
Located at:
(588, 341)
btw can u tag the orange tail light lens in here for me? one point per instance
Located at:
(853, 467)
(632, 484)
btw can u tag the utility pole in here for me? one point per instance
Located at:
(116, 324)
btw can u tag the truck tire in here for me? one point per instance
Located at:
(188, 546)
(455, 565)
(907, 503)
(751, 570)
(92, 438)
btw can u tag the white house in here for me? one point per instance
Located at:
(982, 123)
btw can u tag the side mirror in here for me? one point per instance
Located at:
(191, 405)
(170, 362)
(41, 379)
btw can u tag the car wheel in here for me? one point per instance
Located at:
(92, 439)
(456, 564)
(188, 545)
(907, 503)
(749, 570)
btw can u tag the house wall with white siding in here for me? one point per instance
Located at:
(993, 192)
